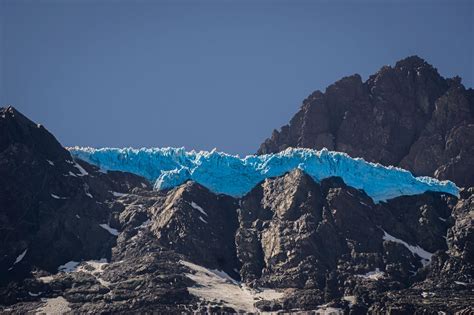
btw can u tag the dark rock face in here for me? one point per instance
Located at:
(461, 237)
(291, 244)
(199, 224)
(48, 201)
(450, 274)
(406, 115)
(330, 240)
(277, 224)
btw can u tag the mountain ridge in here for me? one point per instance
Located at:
(407, 115)
(79, 239)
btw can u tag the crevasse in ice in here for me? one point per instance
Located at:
(235, 176)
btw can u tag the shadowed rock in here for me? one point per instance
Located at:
(406, 115)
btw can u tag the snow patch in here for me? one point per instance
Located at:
(82, 171)
(93, 267)
(86, 191)
(34, 294)
(373, 275)
(427, 294)
(415, 250)
(70, 266)
(352, 299)
(58, 197)
(50, 162)
(144, 225)
(46, 279)
(198, 208)
(235, 176)
(107, 227)
(218, 286)
(461, 283)
(363, 203)
(117, 194)
(19, 258)
(202, 219)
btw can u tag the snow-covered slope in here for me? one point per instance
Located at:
(235, 176)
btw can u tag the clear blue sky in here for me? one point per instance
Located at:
(215, 74)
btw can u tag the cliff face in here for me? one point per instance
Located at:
(407, 115)
(51, 206)
(77, 238)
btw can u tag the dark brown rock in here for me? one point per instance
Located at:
(48, 202)
(199, 224)
(406, 115)
(317, 242)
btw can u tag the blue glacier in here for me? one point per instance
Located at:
(236, 176)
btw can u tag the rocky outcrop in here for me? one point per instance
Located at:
(329, 241)
(461, 237)
(79, 239)
(315, 243)
(449, 277)
(49, 202)
(198, 224)
(406, 115)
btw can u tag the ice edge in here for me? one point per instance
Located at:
(235, 176)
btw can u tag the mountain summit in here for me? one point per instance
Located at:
(407, 115)
(168, 231)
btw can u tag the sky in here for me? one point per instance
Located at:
(207, 74)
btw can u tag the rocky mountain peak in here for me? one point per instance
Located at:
(405, 115)
(81, 238)
(48, 200)
(199, 224)
(413, 62)
(17, 130)
(291, 195)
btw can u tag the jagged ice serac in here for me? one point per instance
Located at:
(236, 176)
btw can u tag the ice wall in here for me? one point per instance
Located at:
(235, 176)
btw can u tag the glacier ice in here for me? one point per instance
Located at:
(235, 176)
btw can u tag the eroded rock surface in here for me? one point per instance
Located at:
(406, 115)
(78, 239)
